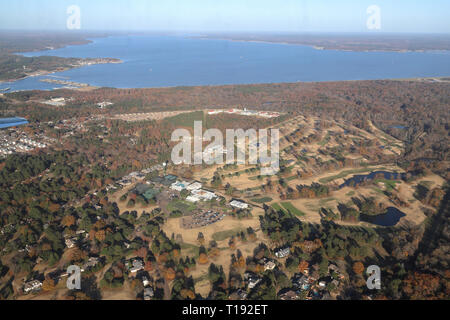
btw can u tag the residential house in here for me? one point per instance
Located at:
(70, 243)
(269, 265)
(253, 282)
(137, 265)
(33, 285)
(145, 281)
(282, 253)
(252, 279)
(288, 295)
(148, 293)
(91, 263)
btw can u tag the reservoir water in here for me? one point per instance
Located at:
(166, 61)
(357, 179)
(388, 219)
(12, 122)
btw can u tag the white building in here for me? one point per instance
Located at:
(70, 243)
(269, 265)
(145, 282)
(238, 204)
(92, 262)
(253, 282)
(179, 186)
(193, 199)
(282, 253)
(203, 194)
(194, 186)
(104, 104)
(215, 111)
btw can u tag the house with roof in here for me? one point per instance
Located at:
(91, 263)
(33, 285)
(288, 295)
(136, 265)
(70, 243)
(269, 265)
(253, 282)
(252, 279)
(148, 293)
(283, 252)
(332, 268)
(301, 282)
(238, 295)
(145, 281)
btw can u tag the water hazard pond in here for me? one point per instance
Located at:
(389, 219)
(392, 215)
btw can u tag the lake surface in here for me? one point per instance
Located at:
(357, 179)
(389, 219)
(165, 61)
(12, 122)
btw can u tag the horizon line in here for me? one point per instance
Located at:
(80, 31)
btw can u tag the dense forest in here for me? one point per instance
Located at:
(46, 195)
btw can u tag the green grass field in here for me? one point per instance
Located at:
(262, 200)
(290, 207)
(222, 235)
(183, 206)
(277, 207)
(390, 184)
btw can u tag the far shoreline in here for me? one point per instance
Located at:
(322, 47)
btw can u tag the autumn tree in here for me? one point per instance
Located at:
(303, 266)
(48, 284)
(203, 258)
(201, 238)
(76, 255)
(358, 268)
(169, 274)
(187, 294)
(240, 259)
(68, 221)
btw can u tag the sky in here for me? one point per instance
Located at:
(396, 16)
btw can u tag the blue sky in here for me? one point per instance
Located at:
(405, 16)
